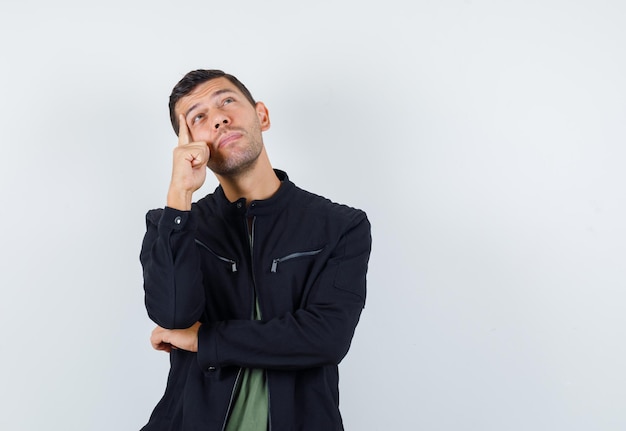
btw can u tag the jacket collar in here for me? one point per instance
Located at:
(266, 206)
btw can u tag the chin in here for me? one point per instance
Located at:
(235, 168)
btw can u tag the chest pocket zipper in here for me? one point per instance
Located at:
(233, 264)
(275, 262)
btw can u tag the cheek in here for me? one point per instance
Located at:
(199, 133)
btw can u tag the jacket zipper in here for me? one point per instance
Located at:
(255, 301)
(275, 262)
(232, 398)
(269, 403)
(233, 264)
(255, 297)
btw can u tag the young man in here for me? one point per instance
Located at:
(256, 288)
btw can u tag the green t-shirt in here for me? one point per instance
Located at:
(250, 410)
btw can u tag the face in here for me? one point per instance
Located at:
(217, 113)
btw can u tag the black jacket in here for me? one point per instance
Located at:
(307, 262)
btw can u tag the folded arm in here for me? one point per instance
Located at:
(174, 294)
(318, 334)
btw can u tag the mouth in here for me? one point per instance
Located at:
(228, 138)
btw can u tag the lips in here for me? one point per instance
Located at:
(228, 138)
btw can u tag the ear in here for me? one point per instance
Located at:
(263, 114)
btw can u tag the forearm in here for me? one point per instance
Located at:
(174, 295)
(304, 339)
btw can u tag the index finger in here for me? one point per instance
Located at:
(183, 131)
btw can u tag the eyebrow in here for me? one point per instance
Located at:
(213, 96)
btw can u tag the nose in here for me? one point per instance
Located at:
(220, 122)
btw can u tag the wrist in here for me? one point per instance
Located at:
(180, 200)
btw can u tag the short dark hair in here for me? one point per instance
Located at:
(196, 77)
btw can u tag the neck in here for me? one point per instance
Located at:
(257, 183)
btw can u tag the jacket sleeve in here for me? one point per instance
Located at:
(318, 334)
(174, 295)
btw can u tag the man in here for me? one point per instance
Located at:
(256, 288)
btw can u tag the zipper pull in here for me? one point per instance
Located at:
(234, 266)
(274, 265)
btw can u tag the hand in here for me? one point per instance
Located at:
(189, 168)
(168, 339)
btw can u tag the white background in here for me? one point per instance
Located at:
(485, 139)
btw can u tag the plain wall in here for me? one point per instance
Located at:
(485, 140)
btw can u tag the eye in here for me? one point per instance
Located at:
(228, 100)
(197, 118)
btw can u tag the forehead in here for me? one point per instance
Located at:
(204, 93)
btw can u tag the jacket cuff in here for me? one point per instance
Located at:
(207, 348)
(176, 220)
